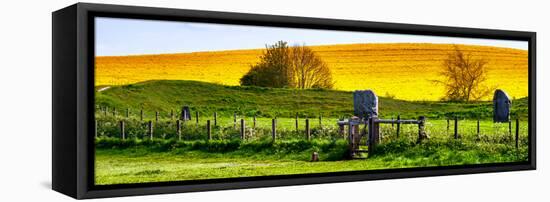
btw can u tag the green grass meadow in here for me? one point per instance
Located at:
(169, 157)
(138, 160)
(247, 101)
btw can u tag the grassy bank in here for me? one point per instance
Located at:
(207, 98)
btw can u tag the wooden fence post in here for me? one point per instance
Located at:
(215, 118)
(122, 130)
(254, 120)
(421, 129)
(243, 130)
(197, 117)
(365, 129)
(341, 129)
(456, 127)
(273, 128)
(234, 120)
(448, 125)
(350, 133)
(208, 130)
(141, 115)
(398, 125)
(308, 132)
(510, 128)
(178, 128)
(150, 128)
(296, 121)
(478, 135)
(320, 120)
(157, 116)
(517, 133)
(374, 133)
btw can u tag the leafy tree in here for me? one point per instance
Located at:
(284, 66)
(273, 70)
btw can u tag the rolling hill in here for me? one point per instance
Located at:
(206, 98)
(404, 71)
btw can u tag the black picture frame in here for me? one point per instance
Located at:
(73, 99)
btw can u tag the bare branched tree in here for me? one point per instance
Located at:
(464, 77)
(309, 70)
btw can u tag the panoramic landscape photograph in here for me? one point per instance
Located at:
(186, 101)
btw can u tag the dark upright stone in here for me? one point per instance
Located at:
(365, 103)
(501, 106)
(185, 113)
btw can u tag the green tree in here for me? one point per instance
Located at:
(284, 66)
(273, 70)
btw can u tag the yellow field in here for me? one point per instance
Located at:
(403, 70)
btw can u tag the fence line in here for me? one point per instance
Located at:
(307, 130)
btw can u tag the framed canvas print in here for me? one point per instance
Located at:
(156, 100)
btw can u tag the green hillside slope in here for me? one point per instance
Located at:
(167, 95)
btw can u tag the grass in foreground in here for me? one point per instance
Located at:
(136, 161)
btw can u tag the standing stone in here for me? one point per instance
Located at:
(365, 103)
(501, 106)
(185, 113)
